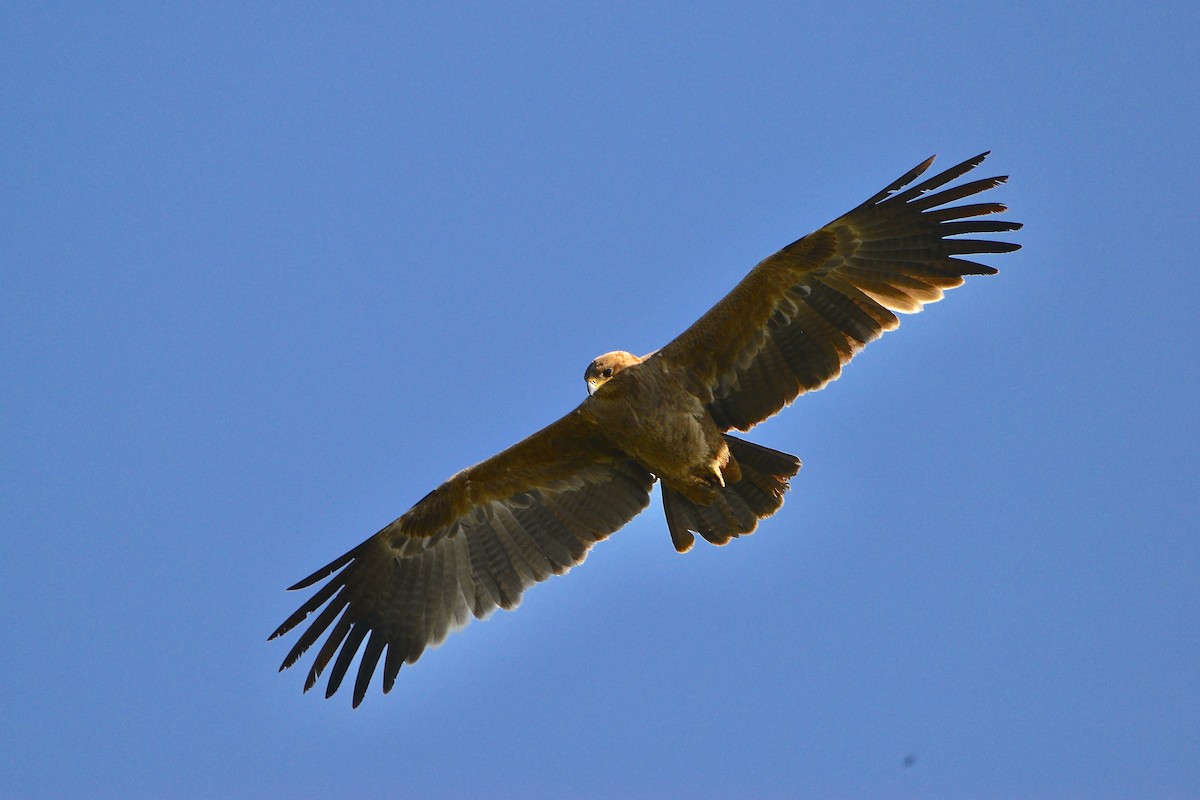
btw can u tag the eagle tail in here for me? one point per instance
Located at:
(737, 507)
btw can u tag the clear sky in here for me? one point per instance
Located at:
(268, 275)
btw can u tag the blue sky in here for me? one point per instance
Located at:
(270, 274)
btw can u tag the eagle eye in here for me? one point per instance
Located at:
(607, 373)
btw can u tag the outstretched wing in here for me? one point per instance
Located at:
(803, 312)
(473, 544)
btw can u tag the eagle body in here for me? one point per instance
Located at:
(488, 533)
(646, 410)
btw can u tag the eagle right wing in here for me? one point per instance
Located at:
(805, 311)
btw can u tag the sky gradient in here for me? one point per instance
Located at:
(271, 274)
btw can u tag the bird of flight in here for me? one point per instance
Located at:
(480, 539)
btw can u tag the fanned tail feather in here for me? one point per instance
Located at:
(738, 506)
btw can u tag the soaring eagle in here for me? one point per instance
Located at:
(485, 535)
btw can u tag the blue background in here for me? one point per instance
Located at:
(268, 274)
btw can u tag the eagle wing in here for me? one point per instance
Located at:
(473, 544)
(802, 313)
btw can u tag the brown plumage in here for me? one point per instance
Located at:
(481, 538)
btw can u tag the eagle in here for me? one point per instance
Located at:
(479, 540)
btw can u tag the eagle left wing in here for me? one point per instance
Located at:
(470, 546)
(805, 311)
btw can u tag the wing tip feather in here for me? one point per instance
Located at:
(902, 181)
(327, 570)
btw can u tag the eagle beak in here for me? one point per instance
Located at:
(591, 386)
